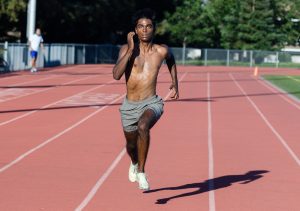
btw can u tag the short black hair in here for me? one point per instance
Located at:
(144, 13)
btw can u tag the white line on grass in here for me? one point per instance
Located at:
(290, 99)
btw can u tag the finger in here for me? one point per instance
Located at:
(173, 95)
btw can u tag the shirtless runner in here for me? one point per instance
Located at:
(142, 108)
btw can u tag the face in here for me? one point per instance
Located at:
(144, 30)
(38, 31)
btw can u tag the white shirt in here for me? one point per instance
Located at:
(35, 41)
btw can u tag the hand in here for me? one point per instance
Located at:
(130, 40)
(175, 94)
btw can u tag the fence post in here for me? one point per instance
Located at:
(251, 58)
(277, 59)
(5, 54)
(227, 59)
(183, 53)
(205, 57)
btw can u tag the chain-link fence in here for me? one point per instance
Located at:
(223, 57)
(3, 58)
(18, 58)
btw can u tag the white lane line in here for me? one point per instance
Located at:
(279, 137)
(21, 157)
(290, 99)
(212, 202)
(4, 92)
(56, 102)
(106, 174)
(29, 82)
(32, 81)
(294, 79)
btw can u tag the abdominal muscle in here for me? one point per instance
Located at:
(141, 83)
(140, 88)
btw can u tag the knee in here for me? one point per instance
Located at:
(143, 128)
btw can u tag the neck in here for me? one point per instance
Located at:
(145, 46)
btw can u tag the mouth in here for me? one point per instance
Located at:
(145, 36)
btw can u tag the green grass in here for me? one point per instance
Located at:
(290, 84)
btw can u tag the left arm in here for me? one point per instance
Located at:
(170, 60)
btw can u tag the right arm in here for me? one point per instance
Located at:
(124, 56)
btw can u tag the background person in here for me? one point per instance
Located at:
(35, 41)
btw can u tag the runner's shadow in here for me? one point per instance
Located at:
(211, 184)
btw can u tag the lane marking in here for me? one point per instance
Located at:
(294, 79)
(24, 155)
(110, 169)
(283, 94)
(18, 91)
(212, 202)
(93, 98)
(279, 137)
(56, 102)
(32, 81)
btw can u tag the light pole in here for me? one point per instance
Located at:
(296, 21)
(31, 15)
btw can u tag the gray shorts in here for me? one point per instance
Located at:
(132, 111)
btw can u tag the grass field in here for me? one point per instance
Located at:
(290, 84)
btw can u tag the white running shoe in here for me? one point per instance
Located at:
(33, 69)
(142, 180)
(132, 172)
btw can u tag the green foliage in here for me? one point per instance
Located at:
(231, 24)
(235, 24)
(93, 21)
(184, 24)
(11, 11)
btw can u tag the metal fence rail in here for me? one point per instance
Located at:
(250, 58)
(18, 58)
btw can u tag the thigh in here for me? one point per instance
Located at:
(148, 119)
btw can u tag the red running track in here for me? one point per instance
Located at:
(230, 143)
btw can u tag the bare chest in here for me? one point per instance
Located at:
(146, 64)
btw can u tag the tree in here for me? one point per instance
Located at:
(184, 25)
(256, 28)
(92, 21)
(12, 13)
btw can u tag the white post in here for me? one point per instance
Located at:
(5, 55)
(227, 58)
(31, 15)
(183, 53)
(277, 59)
(205, 57)
(251, 58)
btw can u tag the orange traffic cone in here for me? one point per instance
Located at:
(255, 72)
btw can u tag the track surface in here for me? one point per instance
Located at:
(230, 143)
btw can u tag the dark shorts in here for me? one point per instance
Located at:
(132, 111)
(33, 54)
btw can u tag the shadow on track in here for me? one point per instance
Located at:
(218, 183)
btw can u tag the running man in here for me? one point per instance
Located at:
(35, 41)
(141, 109)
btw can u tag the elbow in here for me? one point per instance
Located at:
(116, 77)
